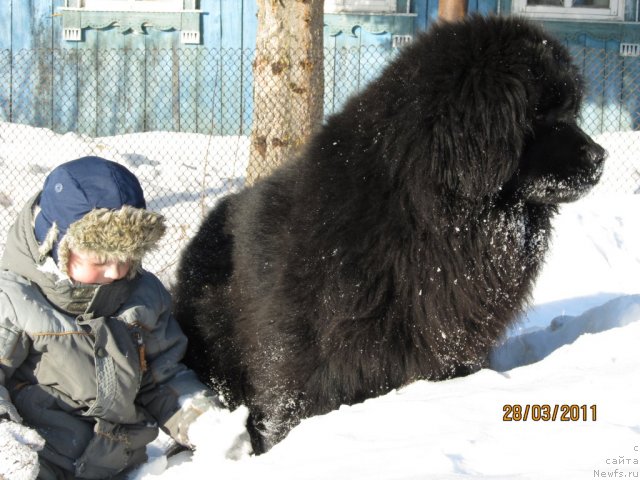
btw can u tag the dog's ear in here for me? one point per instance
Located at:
(479, 134)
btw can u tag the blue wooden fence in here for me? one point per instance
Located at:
(116, 91)
(124, 82)
(114, 83)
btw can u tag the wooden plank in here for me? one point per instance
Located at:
(134, 95)
(5, 85)
(589, 105)
(432, 12)
(57, 41)
(249, 33)
(334, 56)
(211, 23)
(125, 78)
(209, 68)
(594, 72)
(346, 67)
(5, 60)
(420, 7)
(231, 79)
(24, 81)
(172, 46)
(88, 65)
(162, 103)
(631, 92)
(231, 91)
(42, 13)
(5, 24)
(248, 54)
(613, 112)
(188, 88)
(64, 103)
(65, 93)
(110, 82)
(23, 25)
(485, 7)
(108, 74)
(31, 37)
(329, 71)
(374, 56)
(249, 23)
(231, 13)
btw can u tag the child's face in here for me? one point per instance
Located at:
(86, 267)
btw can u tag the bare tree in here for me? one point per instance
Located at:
(288, 81)
(451, 10)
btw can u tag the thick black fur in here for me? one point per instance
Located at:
(405, 239)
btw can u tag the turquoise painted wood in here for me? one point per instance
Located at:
(630, 82)
(115, 82)
(611, 93)
(187, 85)
(31, 45)
(124, 82)
(5, 25)
(233, 67)
(355, 53)
(6, 79)
(250, 26)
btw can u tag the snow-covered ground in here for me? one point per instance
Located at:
(577, 350)
(561, 401)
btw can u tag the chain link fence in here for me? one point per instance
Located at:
(181, 121)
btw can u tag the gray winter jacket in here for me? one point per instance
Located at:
(96, 384)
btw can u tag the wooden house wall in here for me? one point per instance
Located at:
(612, 87)
(115, 82)
(612, 84)
(612, 99)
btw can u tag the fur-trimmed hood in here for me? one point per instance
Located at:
(126, 234)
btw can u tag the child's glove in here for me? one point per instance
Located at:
(19, 446)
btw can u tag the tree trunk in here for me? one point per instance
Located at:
(288, 81)
(452, 10)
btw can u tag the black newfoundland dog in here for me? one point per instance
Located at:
(403, 241)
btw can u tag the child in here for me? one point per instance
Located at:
(89, 351)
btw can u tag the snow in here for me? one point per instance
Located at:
(575, 348)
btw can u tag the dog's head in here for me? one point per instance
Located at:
(504, 100)
(560, 163)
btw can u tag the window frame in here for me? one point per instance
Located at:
(158, 6)
(614, 12)
(361, 6)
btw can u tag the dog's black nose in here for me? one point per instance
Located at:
(594, 154)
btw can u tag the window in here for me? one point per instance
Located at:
(571, 9)
(362, 6)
